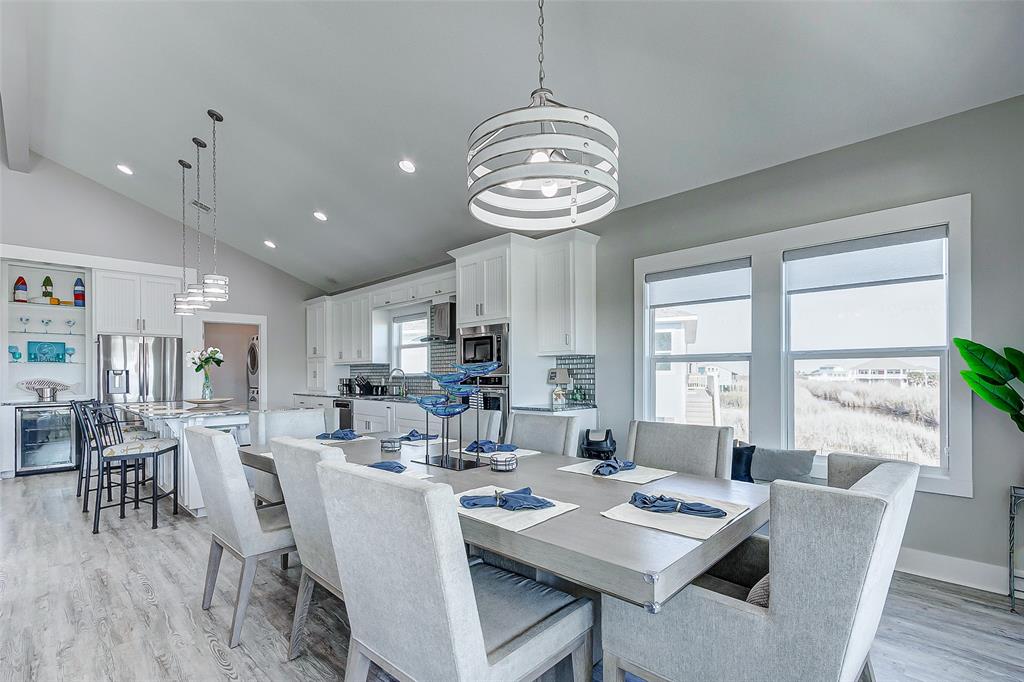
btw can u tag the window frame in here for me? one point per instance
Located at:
(771, 384)
(396, 344)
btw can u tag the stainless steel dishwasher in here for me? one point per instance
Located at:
(345, 418)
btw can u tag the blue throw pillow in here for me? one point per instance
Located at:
(742, 456)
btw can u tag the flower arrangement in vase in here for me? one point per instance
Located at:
(201, 360)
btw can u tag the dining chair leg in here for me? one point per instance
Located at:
(124, 476)
(867, 673)
(88, 477)
(81, 468)
(582, 660)
(156, 458)
(99, 497)
(357, 666)
(284, 561)
(612, 671)
(212, 567)
(302, 599)
(138, 463)
(174, 479)
(110, 483)
(245, 582)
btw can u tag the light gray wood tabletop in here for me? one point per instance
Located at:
(638, 564)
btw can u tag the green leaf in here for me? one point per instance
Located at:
(199, 369)
(1001, 397)
(984, 361)
(1018, 419)
(1016, 359)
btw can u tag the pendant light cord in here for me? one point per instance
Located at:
(183, 280)
(214, 151)
(199, 232)
(540, 42)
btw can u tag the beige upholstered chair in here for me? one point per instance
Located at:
(264, 426)
(832, 553)
(686, 448)
(250, 534)
(296, 462)
(419, 609)
(549, 433)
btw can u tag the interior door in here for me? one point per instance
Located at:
(117, 303)
(157, 306)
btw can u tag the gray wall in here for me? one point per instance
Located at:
(53, 207)
(232, 378)
(980, 152)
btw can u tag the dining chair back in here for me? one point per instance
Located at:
(550, 433)
(265, 426)
(686, 448)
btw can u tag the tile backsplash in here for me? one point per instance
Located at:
(581, 369)
(441, 356)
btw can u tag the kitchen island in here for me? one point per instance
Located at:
(170, 420)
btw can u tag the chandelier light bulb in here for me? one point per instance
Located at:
(549, 188)
(538, 156)
(514, 184)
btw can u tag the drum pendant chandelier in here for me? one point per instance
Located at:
(545, 166)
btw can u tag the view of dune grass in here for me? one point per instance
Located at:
(881, 419)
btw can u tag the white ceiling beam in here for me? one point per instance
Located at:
(14, 102)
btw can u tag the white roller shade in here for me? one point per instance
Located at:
(700, 284)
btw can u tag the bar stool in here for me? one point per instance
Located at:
(105, 431)
(88, 448)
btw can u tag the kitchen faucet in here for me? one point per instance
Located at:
(405, 381)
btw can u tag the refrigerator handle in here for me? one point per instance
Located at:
(142, 380)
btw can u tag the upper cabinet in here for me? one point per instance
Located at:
(127, 303)
(441, 286)
(316, 329)
(352, 336)
(566, 294)
(393, 295)
(482, 284)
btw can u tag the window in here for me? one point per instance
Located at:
(831, 336)
(868, 344)
(699, 326)
(410, 354)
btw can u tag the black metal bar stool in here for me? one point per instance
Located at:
(130, 455)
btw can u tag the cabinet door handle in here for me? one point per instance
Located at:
(567, 339)
(143, 324)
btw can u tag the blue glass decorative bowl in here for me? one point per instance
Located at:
(447, 410)
(477, 369)
(460, 390)
(430, 400)
(450, 378)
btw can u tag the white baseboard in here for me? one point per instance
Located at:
(966, 572)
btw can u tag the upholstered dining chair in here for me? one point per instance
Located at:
(295, 461)
(419, 609)
(832, 553)
(550, 433)
(264, 426)
(686, 448)
(237, 525)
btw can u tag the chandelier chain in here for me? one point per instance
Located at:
(540, 42)
(214, 151)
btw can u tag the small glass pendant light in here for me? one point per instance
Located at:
(194, 292)
(215, 286)
(182, 306)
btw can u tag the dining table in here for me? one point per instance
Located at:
(638, 564)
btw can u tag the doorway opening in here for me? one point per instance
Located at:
(239, 376)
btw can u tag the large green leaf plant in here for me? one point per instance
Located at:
(990, 375)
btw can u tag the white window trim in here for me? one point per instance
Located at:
(402, 315)
(769, 395)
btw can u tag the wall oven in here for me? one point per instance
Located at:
(488, 343)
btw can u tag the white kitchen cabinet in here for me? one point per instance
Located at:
(400, 294)
(316, 374)
(436, 287)
(371, 415)
(353, 331)
(316, 329)
(566, 294)
(482, 286)
(128, 303)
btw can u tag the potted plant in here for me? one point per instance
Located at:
(201, 360)
(990, 375)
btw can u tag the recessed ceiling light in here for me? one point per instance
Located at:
(407, 165)
(269, 244)
(320, 215)
(125, 169)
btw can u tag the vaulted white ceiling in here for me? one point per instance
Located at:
(322, 99)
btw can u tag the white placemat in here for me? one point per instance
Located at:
(697, 527)
(337, 441)
(519, 452)
(515, 521)
(640, 474)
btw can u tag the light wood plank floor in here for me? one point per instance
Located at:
(125, 605)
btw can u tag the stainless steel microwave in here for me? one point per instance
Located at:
(488, 343)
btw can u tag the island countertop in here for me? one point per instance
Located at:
(182, 410)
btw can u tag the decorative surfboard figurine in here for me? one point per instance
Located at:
(79, 290)
(20, 290)
(47, 287)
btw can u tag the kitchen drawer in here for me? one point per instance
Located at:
(373, 408)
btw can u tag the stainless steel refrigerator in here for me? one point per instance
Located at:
(139, 369)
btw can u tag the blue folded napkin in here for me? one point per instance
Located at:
(391, 465)
(512, 500)
(482, 446)
(507, 447)
(613, 466)
(340, 434)
(415, 435)
(666, 505)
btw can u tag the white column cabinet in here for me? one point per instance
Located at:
(316, 329)
(566, 294)
(316, 374)
(128, 303)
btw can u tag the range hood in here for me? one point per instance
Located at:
(442, 323)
